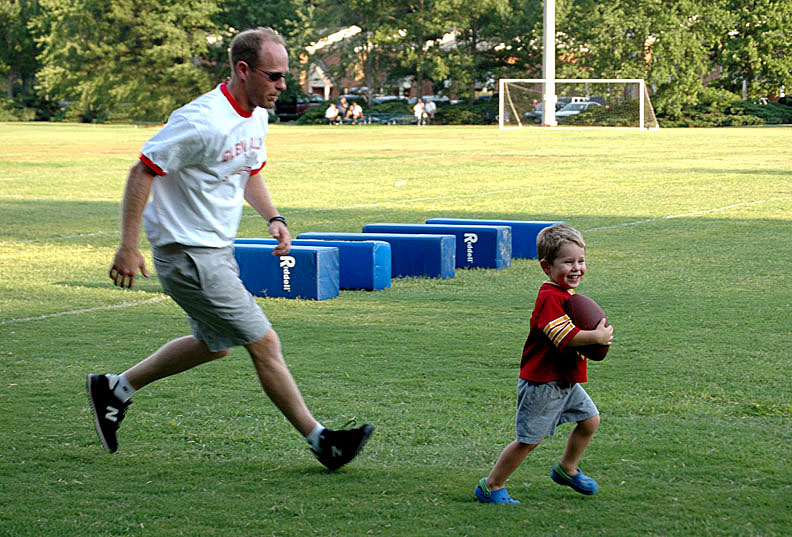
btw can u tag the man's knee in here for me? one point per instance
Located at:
(266, 348)
(220, 354)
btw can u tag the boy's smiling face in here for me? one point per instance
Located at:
(569, 266)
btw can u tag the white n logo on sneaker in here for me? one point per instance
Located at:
(336, 452)
(112, 414)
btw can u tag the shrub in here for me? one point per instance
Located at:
(313, 116)
(11, 110)
(772, 113)
(715, 108)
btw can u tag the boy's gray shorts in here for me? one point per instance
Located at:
(205, 283)
(541, 407)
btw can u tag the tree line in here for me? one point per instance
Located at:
(139, 60)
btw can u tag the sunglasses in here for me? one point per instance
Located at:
(274, 77)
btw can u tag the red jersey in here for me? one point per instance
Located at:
(545, 357)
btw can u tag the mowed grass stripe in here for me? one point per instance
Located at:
(695, 425)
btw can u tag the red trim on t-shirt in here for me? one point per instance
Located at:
(241, 111)
(151, 166)
(254, 172)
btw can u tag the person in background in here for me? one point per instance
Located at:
(332, 115)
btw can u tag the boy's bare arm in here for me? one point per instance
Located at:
(601, 335)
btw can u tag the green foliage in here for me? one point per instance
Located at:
(468, 114)
(313, 116)
(621, 114)
(715, 108)
(458, 114)
(772, 113)
(101, 56)
(18, 46)
(11, 110)
(754, 45)
(131, 59)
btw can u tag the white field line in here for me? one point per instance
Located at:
(158, 299)
(86, 310)
(687, 215)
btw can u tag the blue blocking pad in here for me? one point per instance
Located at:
(524, 232)
(432, 256)
(362, 265)
(309, 272)
(476, 246)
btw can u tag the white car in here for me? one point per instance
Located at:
(573, 109)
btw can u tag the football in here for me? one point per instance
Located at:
(586, 315)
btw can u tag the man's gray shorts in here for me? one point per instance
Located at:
(541, 407)
(205, 283)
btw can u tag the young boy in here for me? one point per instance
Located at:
(549, 392)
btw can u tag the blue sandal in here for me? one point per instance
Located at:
(485, 495)
(580, 482)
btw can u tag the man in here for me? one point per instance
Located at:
(198, 169)
(430, 108)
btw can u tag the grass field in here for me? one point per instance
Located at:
(688, 236)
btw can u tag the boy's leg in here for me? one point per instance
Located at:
(492, 489)
(510, 459)
(577, 443)
(566, 472)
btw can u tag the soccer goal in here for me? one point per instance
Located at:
(616, 102)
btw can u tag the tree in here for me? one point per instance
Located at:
(370, 52)
(753, 45)
(422, 25)
(664, 42)
(130, 58)
(18, 49)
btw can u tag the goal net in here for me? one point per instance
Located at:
(613, 102)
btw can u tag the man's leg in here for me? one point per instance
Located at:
(278, 383)
(109, 394)
(174, 357)
(333, 448)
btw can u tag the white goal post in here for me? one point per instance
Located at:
(606, 102)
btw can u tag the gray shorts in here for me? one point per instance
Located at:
(541, 407)
(205, 283)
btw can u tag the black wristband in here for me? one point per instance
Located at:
(278, 219)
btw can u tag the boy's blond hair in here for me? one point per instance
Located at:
(551, 239)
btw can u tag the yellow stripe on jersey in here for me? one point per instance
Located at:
(558, 329)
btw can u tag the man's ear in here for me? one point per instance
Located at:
(545, 266)
(242, 70)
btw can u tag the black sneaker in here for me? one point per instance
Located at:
(336, 448)
(108, 410)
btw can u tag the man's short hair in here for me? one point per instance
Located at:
(247, 44)
(552, 238)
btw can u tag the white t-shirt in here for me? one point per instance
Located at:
(203, 157)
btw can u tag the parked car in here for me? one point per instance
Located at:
(536, 113)
(561, 102)
(296, 106)
(573, 109)
(386, 98)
